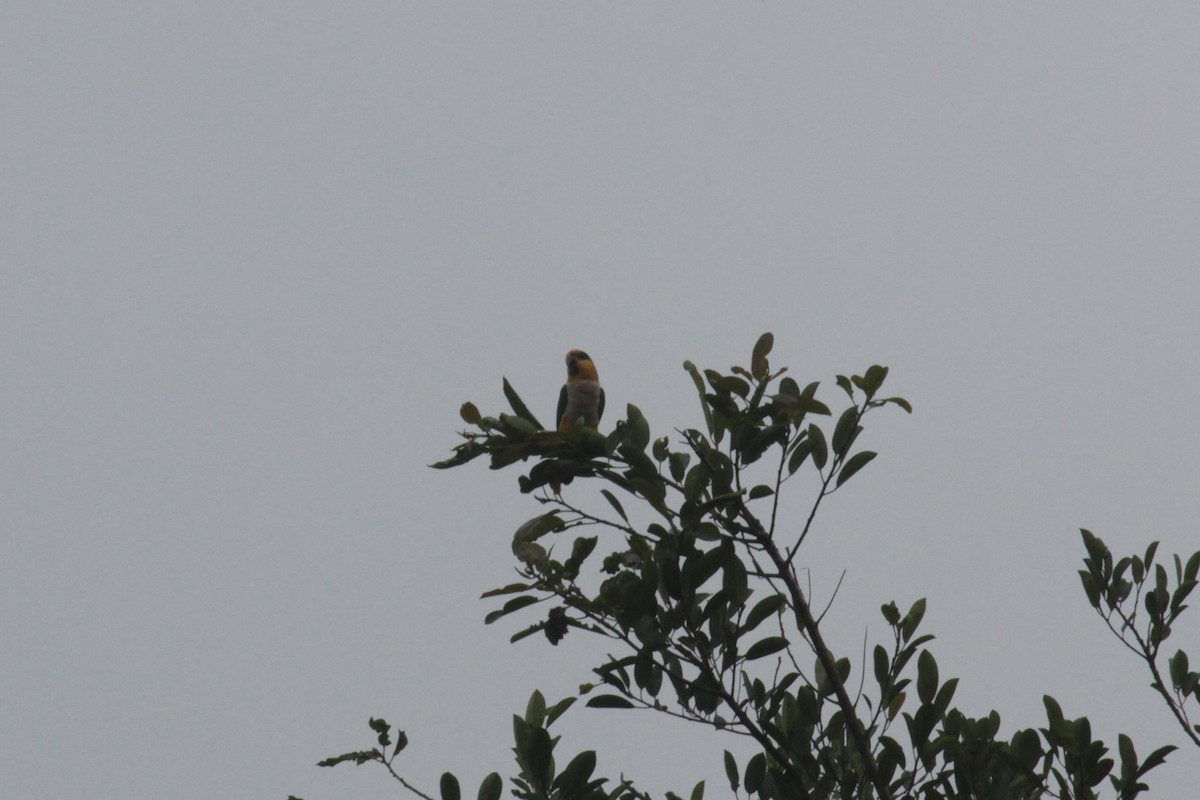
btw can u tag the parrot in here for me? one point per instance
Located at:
(581, 398)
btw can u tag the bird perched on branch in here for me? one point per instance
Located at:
(582, 398)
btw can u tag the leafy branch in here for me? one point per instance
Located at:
(1119, 592)
(690, 571)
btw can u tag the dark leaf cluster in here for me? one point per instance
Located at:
(688, 563)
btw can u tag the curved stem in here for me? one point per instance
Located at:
(405, 783)
(1148, 654)
(808, 623)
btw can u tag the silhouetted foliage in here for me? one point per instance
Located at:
(702, 603)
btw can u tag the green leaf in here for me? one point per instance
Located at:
(580, 550)
(726, 385)
(518, 406)
(1090, 588)
(470, 414)
(758, 361)
(941, 701)
(799, 406)
(694, 484)
(1179, 668)
(912, 619)
(358, 757)
(609, 701)
(1181, 593)
(1097, 551)
(698, 792)
(491, 787)
(731, 772)
(381, 727)
(734, 580)
(920, 726)
(1192, 571)
(516, 604)
(575, 776)
(538, 755)
(756, 771)
(765, 647)
(527, 632)
(882, 663)
(1156, 758)
(873, 379)
(820, 451)
(612, 501)
(535, 709)
(853, 465)
(1026, 748)
(1154, 605)
(1054, 714)
(463, 453)
(450, 788)
(801, 451)
(708, 420)
(1128, 753)
(646, 673)
(699, 567)
(509, 589)
(845, 431)
(638, 430)
(640, 465)
(536, 528)
(707, 694)
(762, 609)
(1148, 559)
(558, 709)
(678, 463)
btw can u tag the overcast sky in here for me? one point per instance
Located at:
(255, 256)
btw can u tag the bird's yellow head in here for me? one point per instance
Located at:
(580, 367)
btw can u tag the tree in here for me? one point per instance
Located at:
(701, 597)
(1116, 592)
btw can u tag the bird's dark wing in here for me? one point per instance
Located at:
(562, 408)
(600, 408)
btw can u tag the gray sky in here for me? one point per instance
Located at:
(255, 256)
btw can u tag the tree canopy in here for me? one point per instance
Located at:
(682, 558)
